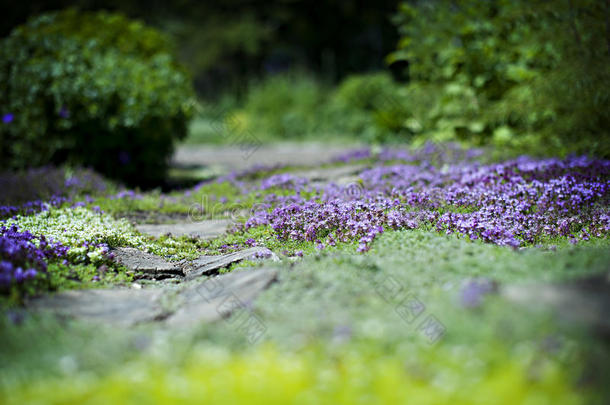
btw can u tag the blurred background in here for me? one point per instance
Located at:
(116, 85)
(226, 44)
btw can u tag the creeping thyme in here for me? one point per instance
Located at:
(515, 203)
(23, 256)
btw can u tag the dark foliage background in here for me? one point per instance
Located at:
(223, 43)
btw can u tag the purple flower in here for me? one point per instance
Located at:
(263, 254)
(64, 112)
(473, 291)
(23, 256)
(8, 118)
(15, 317)
(509, 204)
(124, 157)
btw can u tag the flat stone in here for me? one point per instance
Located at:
(248, 150)
(585, 301)
(206, 229)
(222, 296)
(124, 307)
(143, 262)
(209, 264)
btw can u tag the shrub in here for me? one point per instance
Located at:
(91, 88)
(371, 105)
(528, 74)
(295, 106)
(287, 105)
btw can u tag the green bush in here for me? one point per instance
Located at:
(295, 106)
(371, 105)
(284, 106)
(526, 74)
(93, 89)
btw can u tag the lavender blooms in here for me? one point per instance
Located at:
(519, 202)
(8, 118)
(23, 256)
(473, 291)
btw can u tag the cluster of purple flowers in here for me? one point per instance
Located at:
(355, 154)
(31, 207)
(284, 180)
(23, 255)
(433, 153)
(474, 291)
(518, 202)
(128, 194)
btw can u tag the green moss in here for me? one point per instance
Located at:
(81, 276)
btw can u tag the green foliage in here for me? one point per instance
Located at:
(518, 73)
(371, 105)
(298, 106)
(231, 41)
(287, 105)
(91, 88)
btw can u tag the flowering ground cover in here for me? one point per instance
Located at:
(517, 203)
(394, 282)
(24, 256)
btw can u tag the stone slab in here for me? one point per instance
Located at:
(123, 307)
(249, 151)
(209, 264)
(585, 301)
(221, 297)
(143, 262)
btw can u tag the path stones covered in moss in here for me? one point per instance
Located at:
(146, 263)
(206, 300)
(209, 264)
(117, 306)
(220, 297)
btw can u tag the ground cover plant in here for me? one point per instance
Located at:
(391, 202)
(409, 259)
(521, 202)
